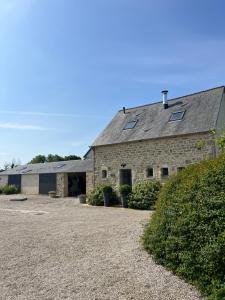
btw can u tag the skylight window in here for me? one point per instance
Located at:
(27, 171)
(177, 116)
(19, 170)
(130, 124)
(60, 166)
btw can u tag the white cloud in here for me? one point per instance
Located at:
(21, 126)
(51, 114)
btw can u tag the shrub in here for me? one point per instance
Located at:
(96, 196)
(144, 195)
(1, 189)
(107, 189)
(125, 189)
(9, 189)
(187, 231)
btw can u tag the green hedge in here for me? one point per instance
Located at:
(144, 195)
(187, 232)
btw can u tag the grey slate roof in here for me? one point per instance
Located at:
(201, 113)
(70, 166)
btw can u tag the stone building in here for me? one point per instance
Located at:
(157, 140)
(147, 142)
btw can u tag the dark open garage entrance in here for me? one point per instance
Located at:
(47, 183)
(76, 184)
(15, 180)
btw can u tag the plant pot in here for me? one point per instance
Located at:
(124, 200)
(82, 199)
(52, 194)
(106, 198)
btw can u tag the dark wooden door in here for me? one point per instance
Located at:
(126, 177)
(15, 180)
(47, 183)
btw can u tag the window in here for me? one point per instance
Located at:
(130, 124)
(27, 171)
(104, 174)
(164, 172)
(177, 116)
(150, 172)
(20, 170)
(60, 166)
(180, 169)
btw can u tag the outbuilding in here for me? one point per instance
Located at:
(67, 178)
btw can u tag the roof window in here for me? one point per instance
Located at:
(60, 166)
(177, 116)
(27, 171)
(130, 124)
(19, 170)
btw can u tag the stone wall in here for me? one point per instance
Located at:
(62, 184)
(171, 153)
(89, 182)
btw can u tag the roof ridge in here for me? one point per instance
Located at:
(204, 91)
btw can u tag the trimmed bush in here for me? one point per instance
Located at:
(125, 189)
(1, 190)
(96, 196)
(144, 195)
(9, 189)
(187, 231)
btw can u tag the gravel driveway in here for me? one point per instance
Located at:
(59, 249)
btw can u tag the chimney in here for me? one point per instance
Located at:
(165, 102)
(124, 110)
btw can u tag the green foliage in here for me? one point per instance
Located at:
(220, 141)
(107, 189)
(9, 189)
(144, 195)
(72, 157)
(125, 189)
(200, 145)
(96, 196)
(187, 232)
(38, 159)
(1, 188)
(52, 158)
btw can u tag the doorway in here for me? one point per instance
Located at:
(47, 183)
(76, 184)
(126, 176)
(15, 180)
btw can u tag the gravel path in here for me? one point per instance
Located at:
(58, 249)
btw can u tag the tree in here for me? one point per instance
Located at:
(12, 164)
(72, 157)
(52, 158)
(38, 159)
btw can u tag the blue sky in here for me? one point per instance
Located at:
(67, 66)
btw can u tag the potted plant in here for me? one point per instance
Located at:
(107, 194)
(125, 190)
(82, 198)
